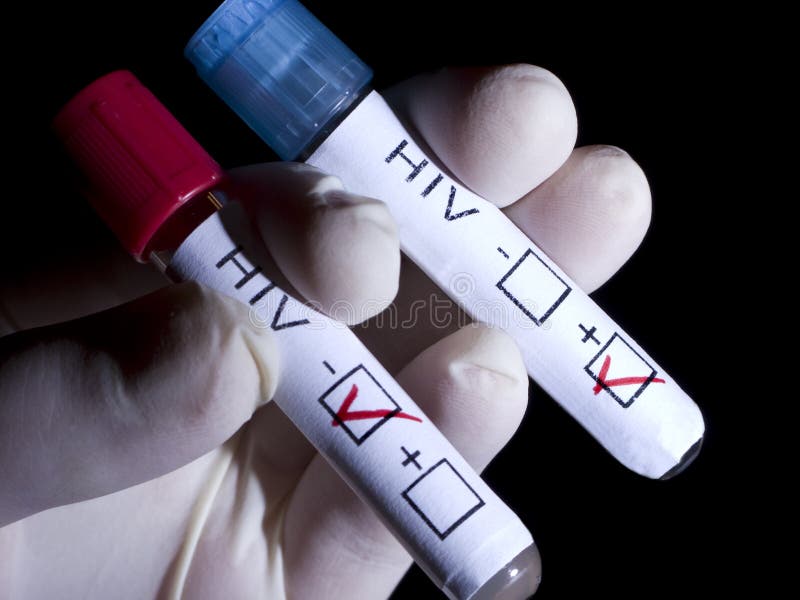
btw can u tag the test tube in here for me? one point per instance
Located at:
(308, 96)
(166, 200)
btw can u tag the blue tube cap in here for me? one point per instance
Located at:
(281, 70)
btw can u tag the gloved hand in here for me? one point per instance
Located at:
(117, 423)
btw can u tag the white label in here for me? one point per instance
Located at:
(361, 420)
(485, 263)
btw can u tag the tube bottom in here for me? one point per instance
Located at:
(685, 461)
(517, 580)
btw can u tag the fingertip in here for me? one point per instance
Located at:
(529, 115)
(474, 372)
(489, 375)
(621, 183)
(501, 130)
(351, 262)
(340, 251)
(492, 351)
(600, 189)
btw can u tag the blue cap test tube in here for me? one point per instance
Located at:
(307, 95)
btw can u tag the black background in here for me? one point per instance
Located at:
(656, 84)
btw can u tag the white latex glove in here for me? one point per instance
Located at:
(111, 404)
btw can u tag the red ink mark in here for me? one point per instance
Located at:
(343, 414)
(602, 381)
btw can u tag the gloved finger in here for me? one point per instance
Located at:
(334, 545)
(95, 405)
(590, 216)
(339, 250)
(500, 130)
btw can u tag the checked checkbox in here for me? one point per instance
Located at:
(360, 406)
(621, 371)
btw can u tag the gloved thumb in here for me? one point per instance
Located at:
(99, 404)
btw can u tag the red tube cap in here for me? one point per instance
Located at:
(141, 165)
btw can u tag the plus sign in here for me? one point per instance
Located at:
(589, 334)
(411, 458)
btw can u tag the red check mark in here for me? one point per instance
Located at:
(345, 414)
(609, 383)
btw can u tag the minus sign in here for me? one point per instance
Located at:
(327, 366)
(501, 251)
